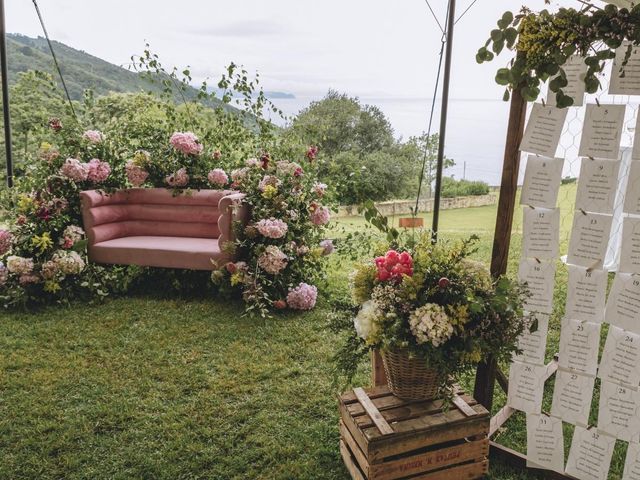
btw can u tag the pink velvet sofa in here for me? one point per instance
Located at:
(152, 227)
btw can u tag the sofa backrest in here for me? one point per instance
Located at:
(151, 211)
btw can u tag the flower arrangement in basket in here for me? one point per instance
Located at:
(433, 313)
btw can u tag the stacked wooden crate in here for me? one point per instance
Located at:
(386, 438)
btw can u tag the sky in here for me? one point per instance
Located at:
(367, 48)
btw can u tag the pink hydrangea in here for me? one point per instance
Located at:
(272, 228)
(97, 170)
(273, 260)
(217, 176)
(6, 239)
(269, 180)
(302, 297)
(252, 162)
(93, 136)
(284, 167)
(327, 247)
(135, 174)
(27, 278)
(186, 142)
(178, 179)
(4, 274)
(19, 265)
(320, 215)
(319, 189)
(75, 170)
(239, 174)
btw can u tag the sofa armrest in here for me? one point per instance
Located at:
(232, 208)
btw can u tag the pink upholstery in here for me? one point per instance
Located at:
(152, 227)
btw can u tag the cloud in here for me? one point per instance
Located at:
(240, 29)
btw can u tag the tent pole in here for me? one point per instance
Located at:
(443, 117)
(5, 96)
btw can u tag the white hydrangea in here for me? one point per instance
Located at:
(366, 321)
(19, 265)
(430, 324)
(69, 263)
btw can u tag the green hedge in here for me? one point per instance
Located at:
(463, 188)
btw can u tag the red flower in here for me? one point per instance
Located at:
(231, 267)
(264, 160)
(298, 172)
(394, 265)
(55, 124)
(21, 220)
(444, 282)
(312, 152)
(280, 304)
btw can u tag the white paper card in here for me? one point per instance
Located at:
(589, 239)
(632, 463)
(619, 410)
(541, 233)
(632, 195)
(597, 185)
(542, 179)
(590, 454)
(623, 304)
(545, 442)
(620, 362)
(534, 344)
(630, 254)
(575, 70)
(586, 294)
(543, 131)
(540, 278)
(572, 395)
(602, 131)
(629, 84)
(526, 386)
(579, 343)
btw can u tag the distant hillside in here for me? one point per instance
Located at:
(81, 70)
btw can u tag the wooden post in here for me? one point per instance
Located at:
(378, 377)
(486, 372)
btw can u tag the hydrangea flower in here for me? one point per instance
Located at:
(49, 269)
(186, 142)
(269, 181)
(28, 278)
(273, 260)
(252, 162)
(320, 215)
(4, 274)
(178, 179)
(93, 136)
(430, 324)
(239, 174)
(6, 239)
(287, 168)
(135, 174)
(218, 177)
(19, 265)
(327, 247)
(75, 170)
(319, 189)
(71, 235)
(69, 262)
(97, 170)
(366, 321)
(272, 228)
(302, 297)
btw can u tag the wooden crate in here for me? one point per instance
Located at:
(385, 438)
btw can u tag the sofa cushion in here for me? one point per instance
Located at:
(160, 251)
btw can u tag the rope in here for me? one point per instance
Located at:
(465, 11)
(55, 60)
(434, 16)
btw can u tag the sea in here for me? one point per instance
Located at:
(475, 133)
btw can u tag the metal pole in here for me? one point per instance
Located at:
(443, 117)
(5, 97)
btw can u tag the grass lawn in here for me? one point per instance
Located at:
(172, 388)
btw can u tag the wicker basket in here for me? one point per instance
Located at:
(410, 378)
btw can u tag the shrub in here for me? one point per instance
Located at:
(463, 188)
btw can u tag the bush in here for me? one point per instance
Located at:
(463, 188)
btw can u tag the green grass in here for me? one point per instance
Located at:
(168, 388)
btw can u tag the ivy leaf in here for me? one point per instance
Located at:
(507, 18)
(498, 46)
(563, 101)
(510, 35)
(496, 35)
(591, 84)
(506, 95)
(503, 76)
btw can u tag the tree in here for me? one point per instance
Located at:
(425, 149)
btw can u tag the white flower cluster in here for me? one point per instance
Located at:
(69, 263)
(430, 324)
(366, 321)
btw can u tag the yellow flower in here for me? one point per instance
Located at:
(45, 146)
(236, 279)
(25, 203)
(269, 191)
(52, 286)
(317, 252)
(42, 242)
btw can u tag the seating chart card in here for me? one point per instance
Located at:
(586, 294)
(572, 395)
(632, 195)
(541, 233)
(619, 412)
(590, 454)
(597, 185)
(575, 70)
(602, 131)
(632, 463)
(589, 239)
(543, 131)
(526, 386)
(539, 277)
(579, 344)
(542, 179)
(630, 254)
(629, 84)
(534, 344)
(620, 362)
(545, 442)
(623, 304)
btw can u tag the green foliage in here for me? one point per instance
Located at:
(544, 41)
(463, 188)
